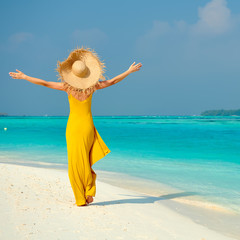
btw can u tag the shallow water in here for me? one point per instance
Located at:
(191, 154)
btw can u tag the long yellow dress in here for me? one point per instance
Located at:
(84, 148)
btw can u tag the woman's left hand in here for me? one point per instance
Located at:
(18, 75)
(134, 68)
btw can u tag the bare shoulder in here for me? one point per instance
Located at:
(81, 96)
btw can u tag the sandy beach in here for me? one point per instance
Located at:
(38, 203)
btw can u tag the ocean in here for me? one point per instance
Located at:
(197, 156)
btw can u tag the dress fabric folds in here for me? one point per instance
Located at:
(84, 148)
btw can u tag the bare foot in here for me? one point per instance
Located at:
(89, 199)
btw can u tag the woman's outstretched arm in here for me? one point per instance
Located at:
(21, 75)
(110, 82)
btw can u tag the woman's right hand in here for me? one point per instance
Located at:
(17, 75)
(134, 68)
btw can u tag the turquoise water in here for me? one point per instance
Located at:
(189, 153)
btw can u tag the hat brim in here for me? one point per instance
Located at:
(94, 73)
(92, 62)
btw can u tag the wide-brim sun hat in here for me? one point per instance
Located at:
(81, 71)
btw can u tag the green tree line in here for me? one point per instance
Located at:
(221, 112)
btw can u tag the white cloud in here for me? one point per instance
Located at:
(181, 26)
(20, 37)
(15, 41)
(214, 18)
(210, 44)
(90, 36)
(159, 28)
(147, 43)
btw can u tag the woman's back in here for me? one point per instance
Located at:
(80, 108)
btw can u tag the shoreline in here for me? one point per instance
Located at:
(140, 185)
(212, 221)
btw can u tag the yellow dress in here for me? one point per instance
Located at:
(84, 148)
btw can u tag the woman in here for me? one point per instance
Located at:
(80, 74)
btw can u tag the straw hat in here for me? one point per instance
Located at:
(81, 71)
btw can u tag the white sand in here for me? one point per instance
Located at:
(38, 203)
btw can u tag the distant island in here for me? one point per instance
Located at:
(3, 114)
(221, 112)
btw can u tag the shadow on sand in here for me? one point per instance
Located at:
(145, 199)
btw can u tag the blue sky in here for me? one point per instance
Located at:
(190, 51)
